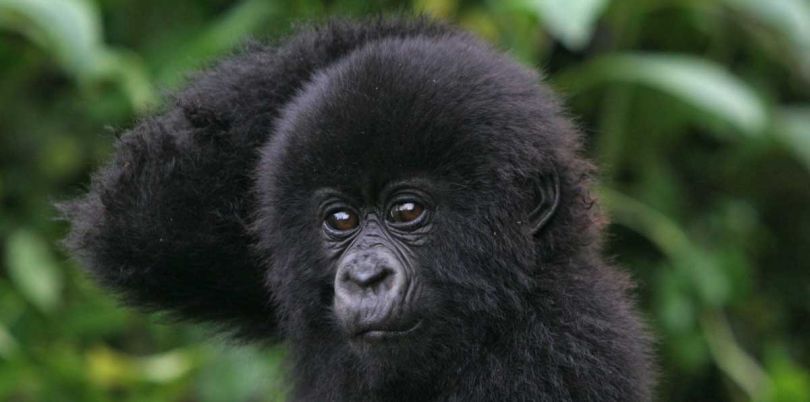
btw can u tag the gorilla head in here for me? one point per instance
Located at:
(404, 205)
(404, 181)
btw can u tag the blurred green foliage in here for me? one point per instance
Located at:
(698, 112)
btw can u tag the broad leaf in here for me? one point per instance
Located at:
(707, 86)
(793, 130)
(32, 269)
(67, 28)
(71, 31)
(790, 17)
(572, 22)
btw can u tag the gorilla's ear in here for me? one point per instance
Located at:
(546, 193)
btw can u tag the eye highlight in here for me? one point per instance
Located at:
(342, 220)
(405, 212)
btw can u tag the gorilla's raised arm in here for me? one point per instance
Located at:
(164, 223)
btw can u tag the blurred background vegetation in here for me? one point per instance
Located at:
(698, 112)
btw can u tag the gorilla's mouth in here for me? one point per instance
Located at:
(380, 333)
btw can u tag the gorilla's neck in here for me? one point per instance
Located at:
(578, 341)
(333, 371)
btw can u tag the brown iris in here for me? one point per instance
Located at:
(405, 212)
(342, 220)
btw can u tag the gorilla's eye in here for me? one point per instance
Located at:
(405, 212)
(342, 220)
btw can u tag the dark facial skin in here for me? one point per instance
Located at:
(377, 284)
(383, 297)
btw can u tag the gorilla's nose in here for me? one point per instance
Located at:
(368, 276)
(365, 272)
(369, 291)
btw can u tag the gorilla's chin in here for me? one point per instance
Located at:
(366, 327)
(404, 345)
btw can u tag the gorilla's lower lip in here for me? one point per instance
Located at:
(372, 334)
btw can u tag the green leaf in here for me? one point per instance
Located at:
(32, 269)
(71, 31)
(790, 17)
(572, 22)
(436, 8)
(731, 358)
(707, 86)
(9, 346)
(67, 28)
(675, 309)
(241, 375)
(127, 70)
(705, 276)
(107, 367)
(60, 155)
(792, 129)
(221, 36)
(791, 382)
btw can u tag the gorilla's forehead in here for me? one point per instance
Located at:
(407, 107)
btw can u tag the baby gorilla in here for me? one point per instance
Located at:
(404, 205)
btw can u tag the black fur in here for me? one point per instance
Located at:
(206, 212)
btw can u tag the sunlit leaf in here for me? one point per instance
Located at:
(706, 278)
(708, 87)
(789, 17)
(791, 382)
(128, 71)
(570, 21)
(67, 28)
(731, 358)
(71, 31)
(32, 269)
(793, 130)
(109, 368)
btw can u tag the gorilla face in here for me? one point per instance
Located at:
(377, 283)
(422, 229)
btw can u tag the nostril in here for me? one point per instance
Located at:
(369, 277)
